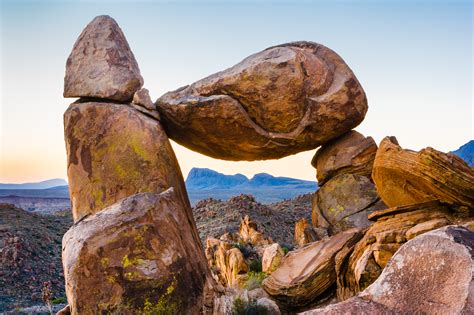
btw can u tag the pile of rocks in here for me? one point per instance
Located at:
(134, 247)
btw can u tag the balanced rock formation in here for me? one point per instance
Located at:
(115, 151)
(404, 177)
(351, 153)
(272, 257)
(138, 255)
(392, 228)
(101, 64)
(307, 274)
(431, 274)
(280, 101)
(344, 202)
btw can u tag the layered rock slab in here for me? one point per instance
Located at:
(391, 229)
(345, 202)
(405, 177)
(136, 256)
(351, 153)
(101, 64)
(115, 151)
(431, 274)
(281, 101)
(306, 274)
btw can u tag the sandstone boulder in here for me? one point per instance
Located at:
(101, 64)
(115, 151)
(139, 255)
(431, 274)
(249, 233)
(307, 274)
(344, 202)
(280, 101)
(392, 228)
(404, 177)
(304, 233)
(351, 153)
(272, 257)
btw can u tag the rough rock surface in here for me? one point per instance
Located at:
(431, 274)
(227, 263)
(114, 151)
(382, 240)
(344, 202)
(307, 273)
(249, 233)
(280, 101)
(272, 257)
(142, 102)
(351, 153)
(101, 64)
(404, 177)
(304, 233)
(138, 255)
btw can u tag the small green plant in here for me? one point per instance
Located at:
(256, 265)
(254, 279)
(59, 300)
(244, 249)
(285, 250)
(241, 307)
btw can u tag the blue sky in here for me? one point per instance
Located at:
(413, 58)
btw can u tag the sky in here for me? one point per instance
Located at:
(414, 60)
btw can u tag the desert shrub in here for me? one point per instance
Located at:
(245, 249)
(59, 300)
(254, 280)
(285, 250)
(241, 307)
(256, 265)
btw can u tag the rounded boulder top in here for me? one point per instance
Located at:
(101, 64)
(280, 101)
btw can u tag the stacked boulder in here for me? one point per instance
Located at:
(347, 194)
(135, 249)
(138, 253)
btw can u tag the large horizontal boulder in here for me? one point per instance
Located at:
(344, 202)
(351, 153)
(431, 274)
(283, 100)
(101, 64)
(307, 274)
(404, 177)
(391, 229)
(115, 151)
(138, 256)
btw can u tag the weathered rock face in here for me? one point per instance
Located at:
(281, 101)
(114, 151)
(344, 202)
(431, 274)
(351, 153)
(101, 64)
(392, 228)
(405, 177)
(249, 233)
(142, 102)
(138, 255)
(304, 233)
(227, 263)
(307, 273)
(272, 257)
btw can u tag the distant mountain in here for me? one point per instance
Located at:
(40, 185)
(466, 152)
(203, 183)
(204, 178)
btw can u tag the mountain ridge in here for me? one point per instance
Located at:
(49, 183)
(466, 152)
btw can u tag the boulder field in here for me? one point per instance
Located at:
(391, 231)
